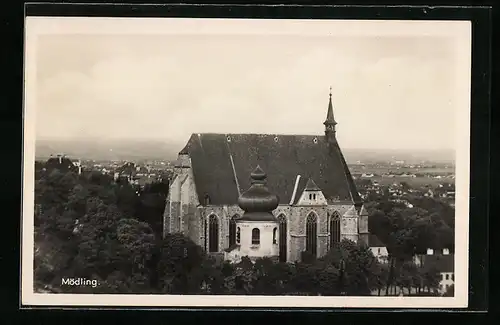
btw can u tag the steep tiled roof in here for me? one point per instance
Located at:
(311, 186)
(443, 263)
(374, 241)
(218, 158)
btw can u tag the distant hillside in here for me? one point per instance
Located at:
(409, 156)
(153, 149)
(109, 149)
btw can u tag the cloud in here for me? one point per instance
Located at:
(250, 85)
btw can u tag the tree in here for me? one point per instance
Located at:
(305, 278)
(150, 209)
(99, 251)
(272, 277)
(450, 292)
(127, 200)
(53, 189)
(379, 277)
(355, 265)
(179, 256)
(408, 276)
(430, 277)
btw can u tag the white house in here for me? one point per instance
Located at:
(378, 249)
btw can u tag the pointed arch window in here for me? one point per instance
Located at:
(275, 239)
(232, 230)
(255, 236)
(312, 234)
(283, 238)
(238, 235)
(213, 234)
(334, 229)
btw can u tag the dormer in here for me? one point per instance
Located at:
(312, 195)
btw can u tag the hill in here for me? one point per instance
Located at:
(130, 149)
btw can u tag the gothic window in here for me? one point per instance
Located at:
(311, 234)
(314, 196)
(310, 196)
(232, 231)
(283, 238)
(238, 235)
(275, 230)
(255, 236)
(334, 229)
(213, 234)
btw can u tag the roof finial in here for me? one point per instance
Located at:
(330, 91)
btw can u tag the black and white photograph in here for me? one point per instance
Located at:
(225, 162)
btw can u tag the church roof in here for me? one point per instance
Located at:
(311, 186)
(221, 164)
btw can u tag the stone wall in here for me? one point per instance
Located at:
(193, 217)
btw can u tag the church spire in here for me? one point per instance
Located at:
(330, 122)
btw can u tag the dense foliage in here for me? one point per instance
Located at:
(88, 226)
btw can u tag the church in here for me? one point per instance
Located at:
(317, 204)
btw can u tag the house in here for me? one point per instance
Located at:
(378, 249)
(443, 261)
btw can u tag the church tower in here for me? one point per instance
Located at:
(330, 122)
(257, 228)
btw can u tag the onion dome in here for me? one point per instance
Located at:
(257, 202)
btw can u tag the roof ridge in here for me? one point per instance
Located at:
(266, 134)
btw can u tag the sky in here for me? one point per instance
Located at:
(388, 90)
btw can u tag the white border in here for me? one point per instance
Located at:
(460, 31)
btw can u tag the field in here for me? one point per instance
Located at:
(425, 175)
(412, 181)
(442, 171)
